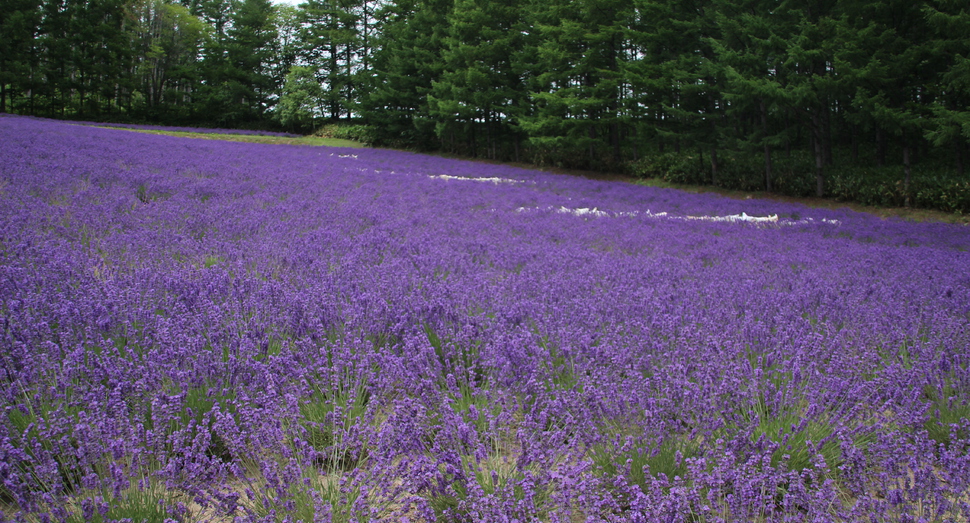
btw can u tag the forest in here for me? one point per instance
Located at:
(858, 100)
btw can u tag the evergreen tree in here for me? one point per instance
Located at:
(577, 83)
(330, 44)
(249, 49)
(406, 64)
(677, 75)
(888, 62)
(808, 76)
(19, 25)
(949, 21)
(480, 91)
(750, 53)
(99, 51)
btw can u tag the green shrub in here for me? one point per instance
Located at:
(933, 185)
(683, 167)
(356, 132)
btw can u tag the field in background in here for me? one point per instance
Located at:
(199, 330)
(276, 140)
(327, 140)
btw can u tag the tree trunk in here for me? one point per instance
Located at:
(907, 171)
(712, 108)
(819, 173)
(515, 144)
(827, 134)
(365, 40)
(714, 165)
(488, 136)
(331, 76)
(768, 174)
(614, 100)
(819, 155)
(764, 137)
(958, 145)
(474, 142)
(787, 136)
(615, 141)
(30, 94)
(855, 143)
(3, 91)
(880, 147)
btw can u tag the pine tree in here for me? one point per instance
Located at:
(407, 63)
(19, 24)
(949, 21)
(886, 58)
(683, 32)
(576, 87)
(330, 44)
(808, 76)
(480, 88)
(249, 49)
(749, 52)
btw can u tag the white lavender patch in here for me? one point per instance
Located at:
(495, 180)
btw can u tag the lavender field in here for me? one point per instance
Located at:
(195, 330)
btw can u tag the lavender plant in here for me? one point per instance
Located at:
(204, 331)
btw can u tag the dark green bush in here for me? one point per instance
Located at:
(357, 132)
(932, 185)
(683, 167)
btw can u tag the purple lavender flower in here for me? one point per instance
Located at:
(196, 330)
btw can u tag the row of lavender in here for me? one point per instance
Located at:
(195, 330)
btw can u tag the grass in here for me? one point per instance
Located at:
(314, 141)
(476, 408)
(799, 440)
(494, 476)
(195, 419)
(327, 415)
(949, 413)
(33, 429)
(904, 213)
(458, 358)
(333, 468)
(641, 463)
(145, 501)
(319, 497)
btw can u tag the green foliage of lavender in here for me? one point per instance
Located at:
(194, 330)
